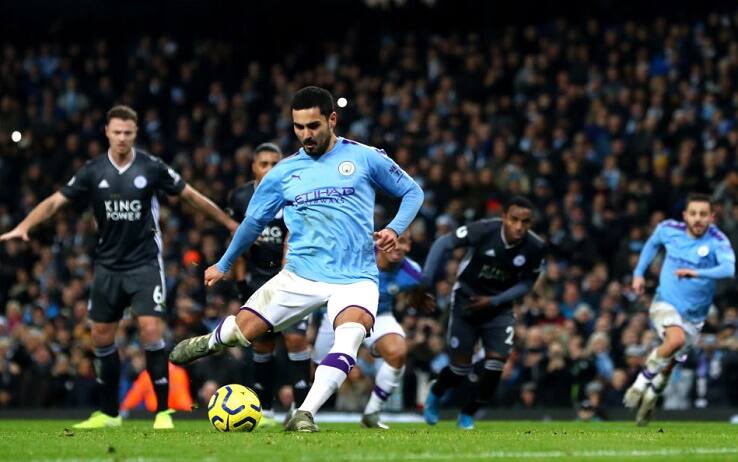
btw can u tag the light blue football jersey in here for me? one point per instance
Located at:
(406, 276)
(711, 255)
(328, 206)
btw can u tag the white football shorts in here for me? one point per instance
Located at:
(287, 298)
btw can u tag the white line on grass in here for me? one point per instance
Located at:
(546, 454)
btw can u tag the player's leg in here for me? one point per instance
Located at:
(462, 336)
(391, 347)
(107, 302)
(351, 322)
(298, 364)
(145, 287)
(264, 374)
(497, 340)
(671, 328)
(653, 393)
(275, 305)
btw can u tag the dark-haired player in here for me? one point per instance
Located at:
(502, 262)
(263, 261)
(327, 192)
(697, 254)
(122, 187)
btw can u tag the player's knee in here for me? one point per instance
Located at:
(294, 342)
(396, 356)
(103, 334)
(355, 314)
(263, 346)
(675, 339)
(251, 326)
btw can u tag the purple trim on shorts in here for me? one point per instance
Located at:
(340, 361)
(381, 394)
(351, 306)
(647, 374)
(271, 327)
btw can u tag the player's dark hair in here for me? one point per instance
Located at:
(121, 112)
(268, 147)
(310, 97)
(518, 201)
(698, 197)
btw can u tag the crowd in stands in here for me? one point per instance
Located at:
(605, 126)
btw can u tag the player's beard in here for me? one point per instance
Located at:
(320, 148)
(697, 233)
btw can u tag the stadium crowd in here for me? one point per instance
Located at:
(606, 127)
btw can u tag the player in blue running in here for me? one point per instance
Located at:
(697, 254)
(327, 192)
(397, 274)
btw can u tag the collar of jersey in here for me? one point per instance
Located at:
(122, 170)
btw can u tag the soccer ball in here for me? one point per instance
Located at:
(234, 408)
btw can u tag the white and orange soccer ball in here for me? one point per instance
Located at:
(234, 408)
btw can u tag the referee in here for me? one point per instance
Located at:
(122, 188)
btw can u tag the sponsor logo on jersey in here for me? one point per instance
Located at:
(140, 182)
(123, 210)
(346, 168)
(103, 184)
(329, 195)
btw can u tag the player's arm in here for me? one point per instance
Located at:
(43, 211)
(393, 179)
(525, 285)
(723, 270)
(202, 204)
(464, 236)
(649, 252)
(264, 205)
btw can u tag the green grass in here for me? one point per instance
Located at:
(36, 440)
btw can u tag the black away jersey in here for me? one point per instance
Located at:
(125, 205)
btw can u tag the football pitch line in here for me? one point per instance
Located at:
(609, 453)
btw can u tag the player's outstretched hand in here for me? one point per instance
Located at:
(15, 233)
(477, 303)
(639, 285)
(213, 275)
(385, 240)
(685, 273)
(422, 300)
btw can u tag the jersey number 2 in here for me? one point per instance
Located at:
(510, 331)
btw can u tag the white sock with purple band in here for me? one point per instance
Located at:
(227, 333)
(387, 379)
(336, 365)
(654, 365)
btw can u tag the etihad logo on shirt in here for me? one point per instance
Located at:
(123, 210)
(329, 195)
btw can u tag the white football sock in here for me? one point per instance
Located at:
(227, 333)
(387, 379)
(336, 365)
(654, 365)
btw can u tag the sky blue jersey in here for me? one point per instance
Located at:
(711, 255)
(405, 276)
(328, 206)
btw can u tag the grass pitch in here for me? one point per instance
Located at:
(192, 440)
